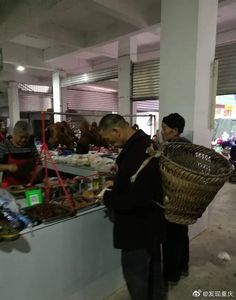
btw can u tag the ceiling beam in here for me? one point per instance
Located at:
(59, 52)
(109, 50)
(58, 34)
(21, 55)
(9, 74)
(123, 10)
(24, 15)
(110, 34)
(52, 53)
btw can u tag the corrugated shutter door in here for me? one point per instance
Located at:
(146, 106)
(146, 80)
(94, 76)
(227, 69)
(88, 100)
(34, 102)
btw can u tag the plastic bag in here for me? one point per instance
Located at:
(7, 200)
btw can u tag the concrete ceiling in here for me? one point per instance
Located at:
(81, 35)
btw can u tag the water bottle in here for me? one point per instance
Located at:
(11, 218)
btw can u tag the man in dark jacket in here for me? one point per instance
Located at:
(138, 219)
(176, 245)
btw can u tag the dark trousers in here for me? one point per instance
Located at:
(143, 274)
(175, 251)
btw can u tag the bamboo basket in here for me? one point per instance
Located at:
(192, 175)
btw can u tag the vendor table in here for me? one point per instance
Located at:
(71, 259)
(80, 171)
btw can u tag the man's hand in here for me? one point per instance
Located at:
(12, 168)
(108, 184)
(101, 194)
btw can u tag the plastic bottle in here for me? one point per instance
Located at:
(59, 149)
(95, 183)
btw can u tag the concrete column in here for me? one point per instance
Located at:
(133, 49)
(57, 103)
(124, 74)
(63, 101)
(134, 112)
(188, 38)
(14, 105)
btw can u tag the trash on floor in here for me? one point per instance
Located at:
(223, 255)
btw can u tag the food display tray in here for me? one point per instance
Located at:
(82, 205)
(48, 212)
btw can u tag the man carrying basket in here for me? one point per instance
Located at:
(176, 246)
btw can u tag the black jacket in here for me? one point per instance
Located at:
(138, 220)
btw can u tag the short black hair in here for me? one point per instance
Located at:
(111, 120)
(175, 120)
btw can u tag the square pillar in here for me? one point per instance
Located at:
(57, 103)
(187, 50)
(14, 104)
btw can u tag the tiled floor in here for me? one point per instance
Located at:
(208, 273)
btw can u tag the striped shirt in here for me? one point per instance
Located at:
(8, 149)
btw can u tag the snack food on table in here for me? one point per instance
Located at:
(47, 211)
(88, 195)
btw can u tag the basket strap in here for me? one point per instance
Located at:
(153, 153)
(156, 153)
(143, 165)
(159, 204)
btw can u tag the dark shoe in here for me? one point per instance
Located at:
(173, 283)
(185, 273)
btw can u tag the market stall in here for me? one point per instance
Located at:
(66, 260)
(65, 251)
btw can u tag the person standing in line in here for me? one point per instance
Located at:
(138, 219)
(176, 245)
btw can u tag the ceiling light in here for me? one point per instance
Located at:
(20, 68)
(85, 77)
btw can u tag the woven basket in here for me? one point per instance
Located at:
(192, 175)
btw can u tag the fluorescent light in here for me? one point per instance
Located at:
(98, 88)
(20, 68)
(85, 77)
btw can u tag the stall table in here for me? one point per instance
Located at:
(71, 259)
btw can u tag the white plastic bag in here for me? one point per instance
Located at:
(7, 200)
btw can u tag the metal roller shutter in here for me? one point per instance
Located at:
(34, 102)
(149, 105)
(226, 56)
(146, 80)
(100, 75)
(90, 100)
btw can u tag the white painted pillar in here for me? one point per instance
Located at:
(64, 101)
(14, 104)
(57, 104)
(188, 38)
(124, 74)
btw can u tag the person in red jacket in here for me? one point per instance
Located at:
(138, 217)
